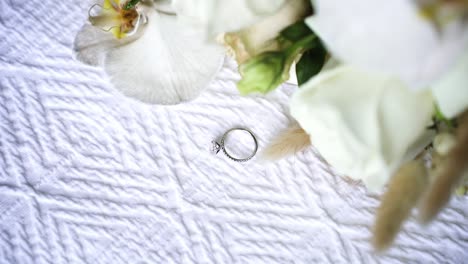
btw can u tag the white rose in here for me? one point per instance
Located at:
(394, 37)
(363, 125)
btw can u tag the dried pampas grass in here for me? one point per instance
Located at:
(450, 174)
(292, 140)
(404, 190)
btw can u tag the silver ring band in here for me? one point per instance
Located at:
(218, 146)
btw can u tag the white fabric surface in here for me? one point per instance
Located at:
(89, 176)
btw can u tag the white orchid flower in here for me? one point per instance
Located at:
(364, 125)
(412, 41)
(113, 17)
(165, 62)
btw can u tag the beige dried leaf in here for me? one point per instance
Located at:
(292, 140)
(450, 174)
(404, 190)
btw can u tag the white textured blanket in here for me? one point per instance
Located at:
(88, 176)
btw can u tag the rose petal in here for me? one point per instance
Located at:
(391, 37)
(220, 16)
(363, 125)
(451, 92)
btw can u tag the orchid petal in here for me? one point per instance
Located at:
(111, 4)
(168, 64)
(91, 45)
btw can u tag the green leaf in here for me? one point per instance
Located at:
(310, 63)
(131, 4)
(296, 31)
(440, 117)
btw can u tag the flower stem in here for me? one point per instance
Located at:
(301, 45)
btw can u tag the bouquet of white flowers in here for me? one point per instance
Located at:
(382, 85)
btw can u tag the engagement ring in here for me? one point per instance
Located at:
(217, 146)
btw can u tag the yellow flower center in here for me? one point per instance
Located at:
(115, 19)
